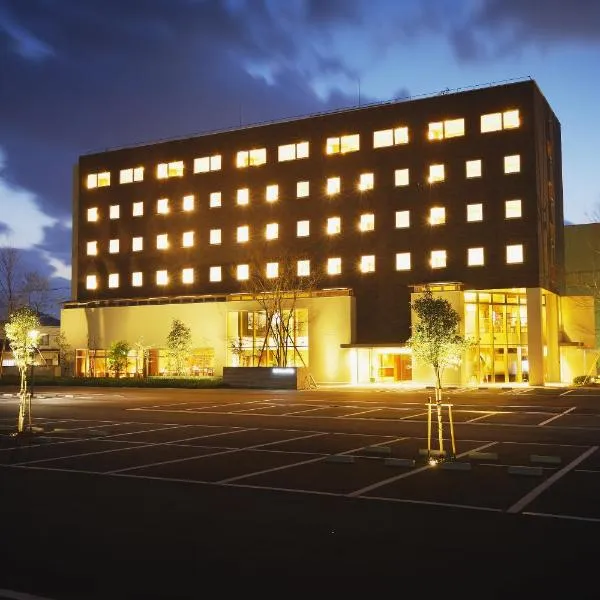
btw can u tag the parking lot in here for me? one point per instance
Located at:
(514, 454)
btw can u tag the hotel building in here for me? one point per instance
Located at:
(459, 191)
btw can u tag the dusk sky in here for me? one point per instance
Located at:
(79, 76)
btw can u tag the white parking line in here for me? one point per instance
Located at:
(362, 412)
(481, 417)
(568, 517)
(535, 492)
(304, 462)
(562, 414)
(374, 486)
(12, 595)
(220, 452)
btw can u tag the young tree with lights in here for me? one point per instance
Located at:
(117, 357)
(22, 332)
(179, 347)
(436, 338)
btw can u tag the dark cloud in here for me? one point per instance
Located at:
(505, 27)
(5, 230)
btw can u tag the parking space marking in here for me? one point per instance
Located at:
(567, 517)
(562, 414)
(433, 503)
(220, 452)
(535, 492)
(306, 462)
(362, 412)
(142, 445)
(374, 486)
(408, 417)
(482, 417)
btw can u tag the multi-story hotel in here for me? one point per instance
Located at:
(460, 191)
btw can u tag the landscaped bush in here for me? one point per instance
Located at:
(154, 382)
(584, 380)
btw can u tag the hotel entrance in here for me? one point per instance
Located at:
(498, 321)
(381, 365)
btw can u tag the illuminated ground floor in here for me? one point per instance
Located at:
(518, 336)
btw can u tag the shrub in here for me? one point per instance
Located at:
(583, 380)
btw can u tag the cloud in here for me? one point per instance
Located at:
(22, 222)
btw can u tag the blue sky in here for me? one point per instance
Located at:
(79, 76)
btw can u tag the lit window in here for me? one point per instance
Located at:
(303, 228)
(272, 231)
(510, 119)
(114, 211)
(343, 144)
(272, 270)
(187, 275)
(272, 193)
(162, 206)
(334, 225)
(162, 277)
(436, 131)
(436, 173)
(137, 244)
(162, 241)
(367, 222)
(113, 280)
(366, 182)
(205, 164)
(187, 240)
(113, 246)
(390, 137)
(92, 214)
(402, 219)
(137, 279)
(438, 259)
(514, 253)
(214, 200)
(473, 168)
(188, 203)
(243, 196)
(334, 185)
(243, 272)
(400, 177)
(512, 164)
(95, 180)
(491, 122)
(293, 151)
(303, 268)
(334, 266)
(130, 175)
(512, 209)
(138, 209)
(215, 236)
(474, 212)
(92, 248)
(302, 189)
(243, 233)
(172, 169)
(403, 261)
(91, 282)
(215, 274)
(437, 215)
(367, 264)
(446, 129)
(454, 128)
(251, 158)
(475, 257)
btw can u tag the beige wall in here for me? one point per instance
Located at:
(330, 324)
(578, 326)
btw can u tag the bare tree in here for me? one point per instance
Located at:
(277, 292)
(35, 292)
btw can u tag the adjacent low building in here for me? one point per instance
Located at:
(461, 192)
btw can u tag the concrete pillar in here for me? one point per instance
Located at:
(552, 337)
(535, 342)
